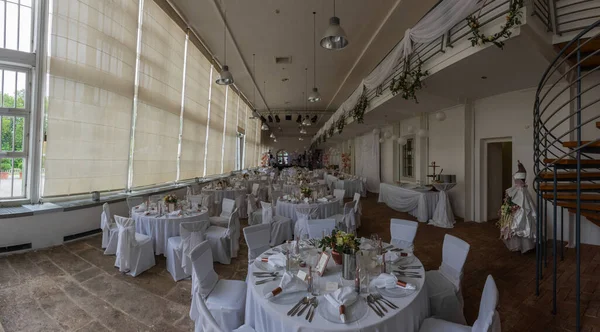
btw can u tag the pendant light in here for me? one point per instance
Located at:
(314, 96)
(226, 77)
(272, 135)
(334, 37)
(264, 126)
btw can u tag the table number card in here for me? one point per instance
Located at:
(302, 275)
(322, 264)
(331, 286)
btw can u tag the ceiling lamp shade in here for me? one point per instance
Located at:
(300, 139)
(376, 131)
(306, 121)
(302, 130)
(440, 116)
(410, 129)
(264, 126)
(422, 133)
(387, 135)
(272, 135)
(226, 77)
(381, 140)
(401, 140)
(275, 140)
(314, 96)
(334, 37)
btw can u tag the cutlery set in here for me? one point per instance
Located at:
(306, 302)
(269, 276)
(376, 302)
(402, 271)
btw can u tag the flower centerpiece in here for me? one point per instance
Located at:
(246, 176)
(306, 192)
(170, 201)
(339, 242)
(346, 162)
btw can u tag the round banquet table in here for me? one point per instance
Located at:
(160, 229)
(289, 188)
(264, 315)
(324, 210)
(231, 193)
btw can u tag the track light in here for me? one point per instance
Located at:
(299, 119)
(277, 118)
(314, 119)
(306, 121)
(270, 118)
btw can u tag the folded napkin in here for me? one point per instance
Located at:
(389, 281)
(289, 284)
(323, 200)
(365, 244)
(286, 197)
(342, 298)
(329, 196)
(141, 208)
(277, 260)
(392, 257)
(175, 213)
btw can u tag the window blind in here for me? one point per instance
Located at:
(195, 114)
(216, 123)
(159, 98)
(91, 70)
(230, 131)
(250, 157)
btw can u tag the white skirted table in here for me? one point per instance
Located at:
(161, 228)
(418, 203)
(267, 316)
(351, 186)
(324, 210)
(239, 195)
(443, 215)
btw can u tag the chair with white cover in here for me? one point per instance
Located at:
(208, 202)
(322, 181)
(275, 195)
(488, 319)
(316, 227)
(224, 242)
(257, 238)
(340, 193)
(178, 248)
(444, 285)
(255, 187)
(403, 233)
(357, 208)
(364, 186)
(110, 232)
(281, 227)
(224, 299)
(195, 200)
(155, 198)
(304, 212)
(253, 210)
(347, 219)
(133, 202)
(135, 251)
(228, 205)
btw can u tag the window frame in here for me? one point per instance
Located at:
(25, 113)
(408, 155)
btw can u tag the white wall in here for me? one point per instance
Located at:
(447, 149)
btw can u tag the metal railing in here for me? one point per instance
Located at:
(564, 111)
(575, 15)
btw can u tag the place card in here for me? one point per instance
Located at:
(331, 286)
(322, 264)
(302, 275)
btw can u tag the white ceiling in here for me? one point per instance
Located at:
(373, 28)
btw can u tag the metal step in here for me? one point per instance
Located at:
(584, 206)
(593, 187)
(572, 197)
(570, 176)
(572, 163)
(591, 148)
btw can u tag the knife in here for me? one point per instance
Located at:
(264, 281)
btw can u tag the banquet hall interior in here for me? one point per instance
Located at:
(314, 165)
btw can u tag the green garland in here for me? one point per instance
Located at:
(409, 82)
(361, 106)
(324, 137)
(513, 18)
(340, 123)
(331, 129)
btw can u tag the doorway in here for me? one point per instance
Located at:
(499, 175)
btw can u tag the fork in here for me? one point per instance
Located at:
(370, 303)
(408, 267)
(377, 304)
(315, 304)
(310, 308)
(379, 297)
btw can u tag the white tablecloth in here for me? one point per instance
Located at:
(289, 188)
(266, 316)
(161, 229)
(288, 209)
(418, 204)
(350, 186)
(219, 194)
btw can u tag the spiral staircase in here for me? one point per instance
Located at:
(567, 151)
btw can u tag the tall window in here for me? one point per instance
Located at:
(214, 155)
(90, 90)
(408, 158)
(14, 120)
(15, 25)
(283, 157)
(229, 145)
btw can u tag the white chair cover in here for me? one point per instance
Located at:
(155, 198)
(488, 319)
(252, 208)
(208, 322)
(281, 227)
(357, 208)
(196, 200)
(225, 299)
(403, 233)
(303, 214)
(276, 194)
(257, 238)
(227, 207)
(255, 187)
(316, 227)
(444, 285)
(224, 242)
(110, 233)
(135, 253)
(339, 193)
(178, 248)
(349, 219)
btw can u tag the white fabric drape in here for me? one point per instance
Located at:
(439, 20)
(368, 164)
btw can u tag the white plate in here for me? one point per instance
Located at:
(283, 298)
(353, 313)
(265, 266)
(394, 292)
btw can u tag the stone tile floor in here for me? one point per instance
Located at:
(74, 287)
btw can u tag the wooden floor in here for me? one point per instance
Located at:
(74, 287)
